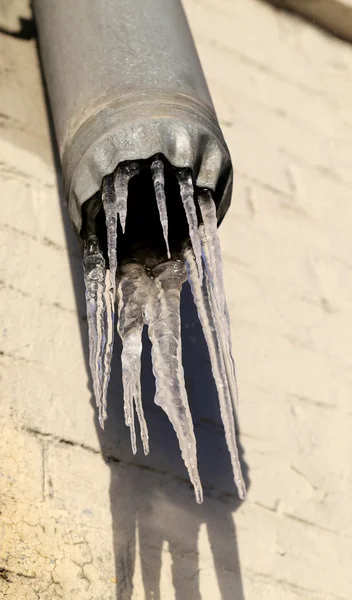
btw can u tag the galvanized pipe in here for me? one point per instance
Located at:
(125, 83)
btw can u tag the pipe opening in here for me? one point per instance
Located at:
(143, 239)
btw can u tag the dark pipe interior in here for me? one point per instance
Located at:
(143, 239)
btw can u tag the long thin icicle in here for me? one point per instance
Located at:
(123, 175)
(94, 279)
(187, 196)
(109, 301)
(208, 212)
(111, 209)
(213, 264)
(164, 329)
(132, 292)
(211, 327)
(157, 169)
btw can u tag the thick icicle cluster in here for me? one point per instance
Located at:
(151, 296)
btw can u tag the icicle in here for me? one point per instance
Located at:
(187, 196)
(204, 301)
(157, 169)
(164, 329)
(213, 264)
(132, 292)
(123, 175)
(208, 212)
(94, 279)
(109, 301)
(111, 209)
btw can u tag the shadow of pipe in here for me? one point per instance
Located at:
(27, 30)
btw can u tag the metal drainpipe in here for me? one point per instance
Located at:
(125, 83)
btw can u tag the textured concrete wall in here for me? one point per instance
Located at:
(80, 518)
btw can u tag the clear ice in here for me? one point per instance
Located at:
(94, 279)
(213, 264)
(159, 187)
(123, 175)
(151, 296)
(205, 303)
(108, 303)
(187, 197)
(132, 288)
(111, 213)
(164, 330)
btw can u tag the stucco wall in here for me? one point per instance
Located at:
(80, 518)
